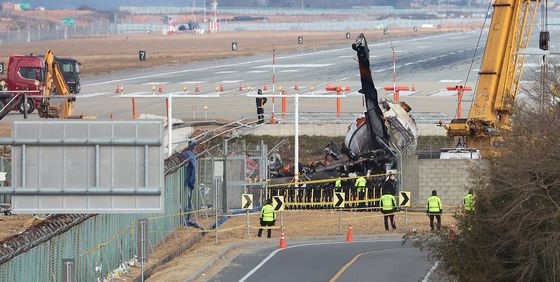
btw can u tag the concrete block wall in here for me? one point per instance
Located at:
(450, 178)
(330, 130)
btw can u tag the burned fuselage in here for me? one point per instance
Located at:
(386, 128)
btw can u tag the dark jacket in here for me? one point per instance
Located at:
(390, 186)
(260, 102)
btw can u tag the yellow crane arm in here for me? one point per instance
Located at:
(499, 76)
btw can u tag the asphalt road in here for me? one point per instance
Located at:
(431, 63)
(372, 260)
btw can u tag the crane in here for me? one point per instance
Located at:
(499, 76)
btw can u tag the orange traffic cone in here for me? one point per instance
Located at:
(349, 234)
(222, 87)
(197, 88)
(240, 87)
(413, 86)
(282, 241)
(160, 90)
(265, 88)
(118, 90)
(272, 119)
(296, 87)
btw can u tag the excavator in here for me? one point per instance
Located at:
(59, 107)
(52, 94)
(499, 77)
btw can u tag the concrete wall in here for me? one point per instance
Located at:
(330, 130)
(450, 178)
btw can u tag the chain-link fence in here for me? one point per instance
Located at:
(40, 32)
(100, 244)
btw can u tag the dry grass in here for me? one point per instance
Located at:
(118, 52)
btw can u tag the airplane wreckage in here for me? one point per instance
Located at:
(373, 141)
(372, 144)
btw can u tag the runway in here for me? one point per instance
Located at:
(429, 63)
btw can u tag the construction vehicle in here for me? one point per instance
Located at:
(499, 77)
(36, 83)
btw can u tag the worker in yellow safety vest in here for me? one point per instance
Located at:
(388, 205)
(434, 208)
(360, 187)
(338, 184)
(268, 218)
(468, 201)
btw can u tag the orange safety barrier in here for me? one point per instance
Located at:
(133, 108)
(460, 90)
(396, 97)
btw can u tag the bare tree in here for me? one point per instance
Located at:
(514, 232)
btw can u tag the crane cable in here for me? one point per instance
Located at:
(476, 49)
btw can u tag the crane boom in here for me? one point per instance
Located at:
(499, 76)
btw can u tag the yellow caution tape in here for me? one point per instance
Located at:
(321, 181)
(103, 244)
(177, 214)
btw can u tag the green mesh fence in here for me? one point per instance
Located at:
(100, 244)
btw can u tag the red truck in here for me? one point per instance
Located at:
(25, 74)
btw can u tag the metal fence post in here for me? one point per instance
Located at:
(142, 225)
(68, 270)
(216, 184)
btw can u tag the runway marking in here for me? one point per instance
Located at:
(135, 93)
(273, 253)
(295, 66)
(225, 72)
(347, 56)
(193, 82)
(237, 64)
(408, 64)
(444, 93)
(155, 83)
(92, 95)
(431, 272)
(256, 71)
(230, 81)
(451, 80)
(289, 71)
(347, 265)
(381, 70)
(452, 53)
